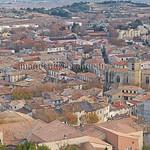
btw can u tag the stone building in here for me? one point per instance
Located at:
(136, 73)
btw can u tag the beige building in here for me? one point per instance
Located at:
(80, 109)
(15, 76)
(123, 134)
(132, 33)
(88, 77)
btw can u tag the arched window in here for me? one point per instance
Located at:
(118, 79)
(147, 80)
(107, 78)
(127, 80)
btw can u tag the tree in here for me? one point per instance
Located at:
(79, 7)
(94, 84)
(92, 118)
(26, 146)
(47, 115)
(22, 93)
(71, 118)
(146, 147)
(31, 146)
(60, 12)
(135, 24)
(2, 147)
(43, 147)
(75, 28)
(70, 147)
(35, 91)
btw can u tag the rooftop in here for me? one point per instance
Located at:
(14, 126)
(53, 131)
(125, 126)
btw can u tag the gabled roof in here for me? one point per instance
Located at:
(82, 106)
(54, 131)
(125, 126)
(5, 90)
(14, 126)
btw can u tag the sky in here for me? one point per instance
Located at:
(62, 0)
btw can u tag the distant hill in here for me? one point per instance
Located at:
(48, 3)
(64, 1)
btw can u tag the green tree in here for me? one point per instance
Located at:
(146, 147)
(22, 93)
(75, 28)
(2, 147)
(43, 147)
(31, 146)
(70, 147)
(79, 7)
(60, 12)
(26, 146)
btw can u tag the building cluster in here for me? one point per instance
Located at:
(81, 80)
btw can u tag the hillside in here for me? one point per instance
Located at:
(46, 3)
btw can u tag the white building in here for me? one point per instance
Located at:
(55, 49)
